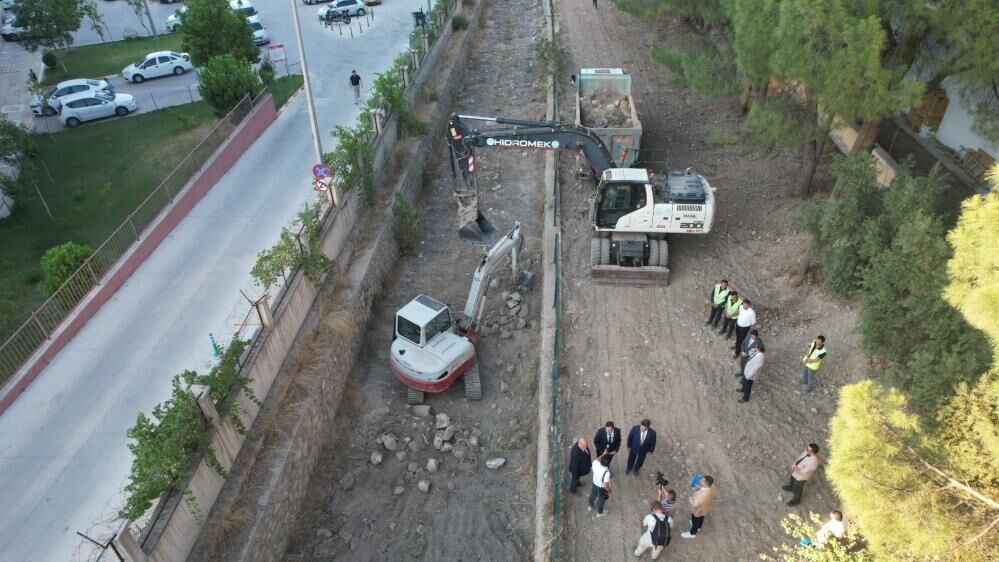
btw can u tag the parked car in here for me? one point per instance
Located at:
(7, 4)
(243, 7)
(260, 35)
(173, 21)
(56, 94)
(154, 65)
(10, 31)
(94, 105)
(353, 7)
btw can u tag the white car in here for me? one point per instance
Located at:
(353, 7)
(260, 36)
(160, 63)
(94, 105)
(243, 7)
(63, 89)
(7, 4)
(10, 31)
(173, 22)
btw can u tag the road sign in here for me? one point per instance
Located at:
(323, 185)
(320, 171)
(276, 53)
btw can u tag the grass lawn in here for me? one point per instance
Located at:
(102, 172)
(98, 61)
(284, 87)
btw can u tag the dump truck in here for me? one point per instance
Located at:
(604, 106)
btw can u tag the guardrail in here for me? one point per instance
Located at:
(18, 349)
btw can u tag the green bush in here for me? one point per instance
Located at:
(50, 60)
(60, 262)
(406, 227)
(226, 80)
(459, 22)
(266, 72)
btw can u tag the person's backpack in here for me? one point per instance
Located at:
(661, 532)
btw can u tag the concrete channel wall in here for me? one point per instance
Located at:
(271, 478)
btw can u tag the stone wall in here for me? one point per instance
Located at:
(269, 479)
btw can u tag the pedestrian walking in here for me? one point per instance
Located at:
(657, 532)
(748, 345)
(743, 323)
(601, 488)
(700, 504)
(641, 442)
(607, 440)
(750, 370)
(579, 462)
(355, 85)
(732, 306)
(835, 528)
(811, 361)
(716, 300)
(32, 77)
(801, 471)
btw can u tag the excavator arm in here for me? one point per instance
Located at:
(511, 244)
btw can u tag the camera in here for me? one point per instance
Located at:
(661, 480)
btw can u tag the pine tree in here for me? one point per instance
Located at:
(211, 29)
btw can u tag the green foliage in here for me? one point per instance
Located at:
(266, 72)
(15, 139)
(223, 380)
(164, 448)
(60, 262)
(352, 161)
(459, 22)
(553, 56)
(969, 432)
(883, 468)
(845, 226)
(226, 80)
(293, 252)
(48, 23)
(849, 550)
(406, 227)
(704, 69)
(212, 29)
(49, 59)
(284, 88)
(974, 267)
(713, 13)
(753, 22)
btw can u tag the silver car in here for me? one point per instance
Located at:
(55, 95)
(95, 105)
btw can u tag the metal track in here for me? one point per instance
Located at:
(473, 384)
(414, 397)
(630, 276)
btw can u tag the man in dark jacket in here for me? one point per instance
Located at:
(607, 440)
(641, 442)
(579, 462)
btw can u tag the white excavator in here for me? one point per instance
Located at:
(632, 213)
(431, 349)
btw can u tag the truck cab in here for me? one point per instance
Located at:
(632, 200)
(427, 352)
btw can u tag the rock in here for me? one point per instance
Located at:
(473, 441)
(450, 485)
(511, 304)
(446, 447)
(432, 465)
(814, 411)
(505, 295)
(460, 452)
(324, 534)
(515, 296)
(505, 334)
(495, 463)
(448, 433)
(414, 446)
(398, 491)
(423, 410)
(412, 466)
(347, 482)
(376, 458)
(514, 310)
(424, 486)
(439, 440)
(443, 420)
(389, 441)
(521, 324)
(503, 386)
(523, 312)
(391, 526)
(401, 455)
(494, 283)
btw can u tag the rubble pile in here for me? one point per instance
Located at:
(603, 108)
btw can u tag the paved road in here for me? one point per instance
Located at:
(63, 455)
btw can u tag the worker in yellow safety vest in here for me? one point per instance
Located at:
(717, 301)
(732, 307)
(811, 361)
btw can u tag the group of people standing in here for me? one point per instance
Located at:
(737, 317)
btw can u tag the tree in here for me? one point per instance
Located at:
(211, 28)
(848, 550)
(96, 18)
(226, 80)
(48, 23)
(974, 268)
(753, 22)
(15, 141)
(60, 262)
(909, 502)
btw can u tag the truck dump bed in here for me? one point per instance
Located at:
(604, 105)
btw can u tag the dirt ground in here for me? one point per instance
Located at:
(632, 353)
(362, 511)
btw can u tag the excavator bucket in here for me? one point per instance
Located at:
(630, 276)
(475, 228)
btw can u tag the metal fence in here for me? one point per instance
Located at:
(47, 318)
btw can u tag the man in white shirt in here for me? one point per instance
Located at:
(652, 538)
(600, 490)
(834, 528)
(745, 321)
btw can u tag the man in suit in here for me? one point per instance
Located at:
(641, 442)
(749, 345)
(579, 462)
(607, 440)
